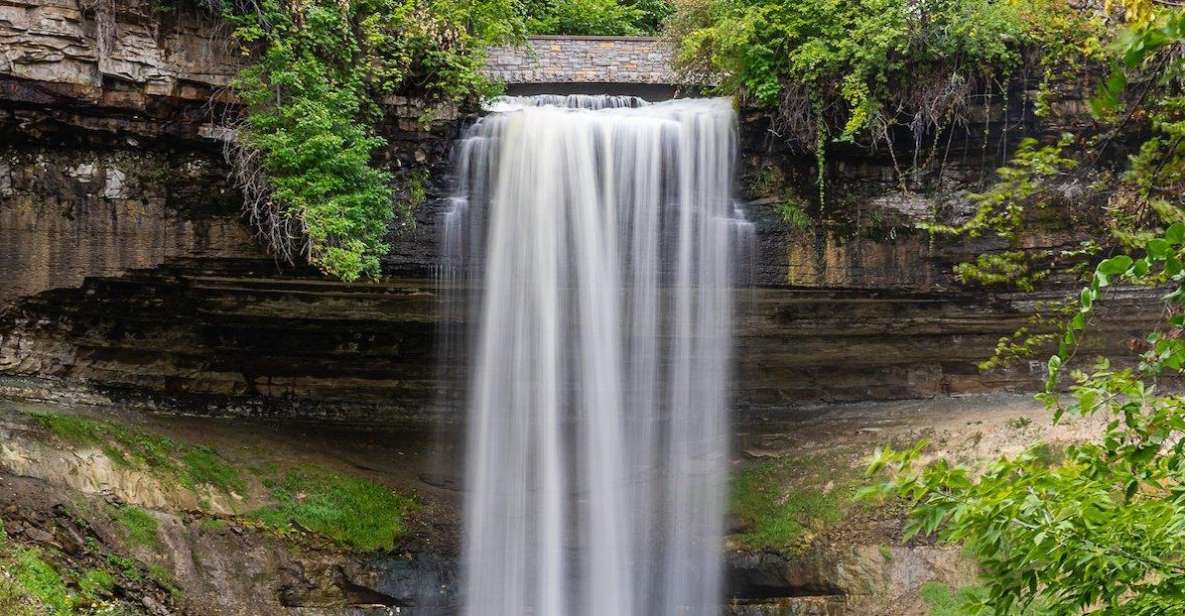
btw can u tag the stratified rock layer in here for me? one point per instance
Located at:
(130, 275)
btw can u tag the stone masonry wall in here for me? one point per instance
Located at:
(584, 59)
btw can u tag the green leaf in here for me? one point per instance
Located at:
(1159, 249)
(1115, 265)
(1175, 234)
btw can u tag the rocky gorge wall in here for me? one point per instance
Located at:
(130, 276)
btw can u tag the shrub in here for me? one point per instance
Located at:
(1098, 528)
(307, 145)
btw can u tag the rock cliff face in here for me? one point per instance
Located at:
(131, 277)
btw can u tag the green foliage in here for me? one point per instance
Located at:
(191, 465)
(96, 584)
(654, 13)
(311, 95)
(793, 213)
(946, 601)
(785, 504)
(351, 511)
(857, 61)
(1004, 268)
(1147, 196)
(139, 527)
(1025, 182)
(1029, 341)
(1135, 49)
(866, 70)
(42, 582)
(597, 17)
(1099, 531)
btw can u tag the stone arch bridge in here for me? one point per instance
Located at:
(636, 65)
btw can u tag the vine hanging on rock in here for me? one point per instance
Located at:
(311, 90)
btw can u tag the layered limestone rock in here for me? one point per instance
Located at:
(163, 49)
(132, 277)
(69, 213)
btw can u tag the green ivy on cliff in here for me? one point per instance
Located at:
(317, 73)
(1099, 532)
(867, 70)
(1026, 183)
(1139, 199)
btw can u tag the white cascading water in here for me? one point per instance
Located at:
(600, 234)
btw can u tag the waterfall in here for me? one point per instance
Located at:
(598, 236)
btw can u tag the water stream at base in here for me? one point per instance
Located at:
(598, 235)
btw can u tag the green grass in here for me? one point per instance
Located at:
(946, 601)
(350, 511)
(190, 465)
(164, 578)
(41, 583)
(204, 465)
(785, 504)
(212, 524)
(30, 585)
(128, 567)
(139, 527)
(14, 599)
(35, 582)
(96, 584)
